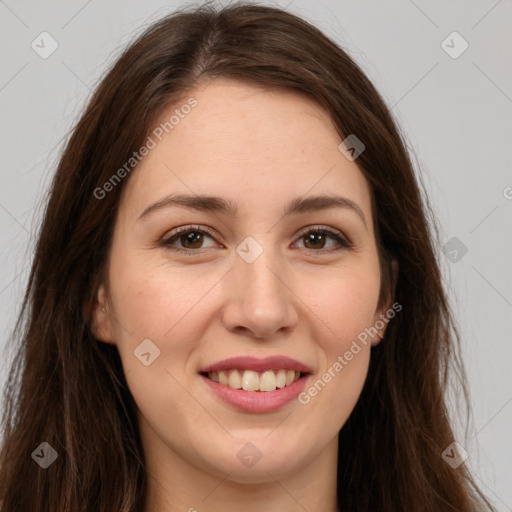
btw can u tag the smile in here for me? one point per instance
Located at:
(256, 385)
(250, 380)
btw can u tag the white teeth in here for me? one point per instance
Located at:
(223, 378)
(268, 381)
(281, 379)
(234, 381)
(249, 380)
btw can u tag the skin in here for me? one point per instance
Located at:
(260, 149)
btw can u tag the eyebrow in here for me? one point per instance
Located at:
(214, 204)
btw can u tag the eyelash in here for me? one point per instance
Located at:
(344, 243)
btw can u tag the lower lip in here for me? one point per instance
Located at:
(257, 401)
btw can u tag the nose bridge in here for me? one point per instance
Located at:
(259, 298)
(259, 269)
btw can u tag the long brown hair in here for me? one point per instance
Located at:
(67, 389)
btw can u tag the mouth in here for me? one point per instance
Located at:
(256, 385)
(250, 380)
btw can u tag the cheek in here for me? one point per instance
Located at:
(344, 310)
(344, 303)
(165, 306)
(154, 302)
(347, 309)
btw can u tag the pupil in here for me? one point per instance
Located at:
(193, 238)
(311, 238)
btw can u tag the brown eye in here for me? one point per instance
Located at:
(190, 240)
(186, 239)
(316, 239)
(194, 238)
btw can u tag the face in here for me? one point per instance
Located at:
(285, 285)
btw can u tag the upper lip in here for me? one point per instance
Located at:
(258, 365)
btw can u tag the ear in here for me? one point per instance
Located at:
(101, 323)
(384, 315)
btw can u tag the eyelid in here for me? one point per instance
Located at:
(191, 227)
(338, 235)
(333, 232)
(165, 241)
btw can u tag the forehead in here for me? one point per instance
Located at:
(249, 144)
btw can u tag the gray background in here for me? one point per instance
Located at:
(455, 113)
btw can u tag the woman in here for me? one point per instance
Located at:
(235, 299)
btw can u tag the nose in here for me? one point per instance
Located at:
(259, 300)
